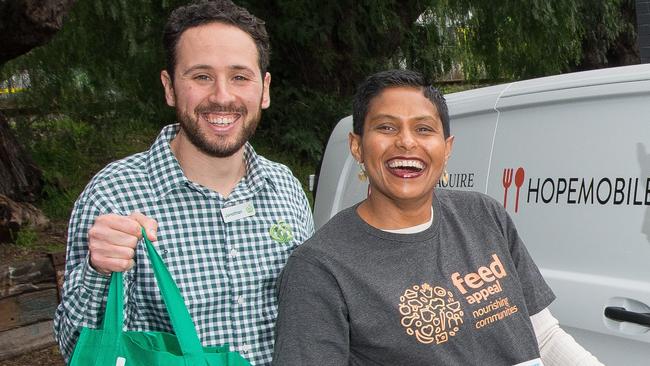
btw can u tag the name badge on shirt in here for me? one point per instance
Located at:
(535, 362)
(237, 212)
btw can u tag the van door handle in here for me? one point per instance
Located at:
(622, 315)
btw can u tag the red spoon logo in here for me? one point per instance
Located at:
(519, 181)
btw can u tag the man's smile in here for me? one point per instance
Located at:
(220, 119)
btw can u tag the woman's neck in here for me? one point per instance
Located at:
(389, 214)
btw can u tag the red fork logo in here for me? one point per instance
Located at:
(507, 182)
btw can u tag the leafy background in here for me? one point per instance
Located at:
(95, 92)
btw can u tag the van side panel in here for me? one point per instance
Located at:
(339, 186)
(578, 160)
(473, 123)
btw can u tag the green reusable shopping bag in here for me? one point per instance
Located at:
(111, 346)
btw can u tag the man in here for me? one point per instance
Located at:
(223, 218)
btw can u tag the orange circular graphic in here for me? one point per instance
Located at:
(430, 313)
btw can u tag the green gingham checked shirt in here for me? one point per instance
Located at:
(225, 271)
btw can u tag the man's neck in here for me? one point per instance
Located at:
(219, 174)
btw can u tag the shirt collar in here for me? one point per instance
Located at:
(165, 172)
(257, 175)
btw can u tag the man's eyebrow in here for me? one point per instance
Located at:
(240, 67)
(208, 67)
(197, 67)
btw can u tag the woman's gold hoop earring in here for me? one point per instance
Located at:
(362, 173)
(445, 177)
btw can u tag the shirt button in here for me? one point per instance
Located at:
(234, 253)
(240, 300)
(245, 348)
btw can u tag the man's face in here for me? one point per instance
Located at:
(218, 89)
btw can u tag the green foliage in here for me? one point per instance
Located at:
(108, 56)
(102, 70)
(517, 39)
(331, 46)
(608, 33)
(302, 123)
(26, 238)
(301, 169)
(104, 62)
(104, 65)
(70, 151)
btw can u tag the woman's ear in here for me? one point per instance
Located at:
(449, 143)
(355, 147)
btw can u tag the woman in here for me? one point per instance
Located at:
(408, 277)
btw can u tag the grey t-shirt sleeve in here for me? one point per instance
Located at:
(537, 293)
(312, 326)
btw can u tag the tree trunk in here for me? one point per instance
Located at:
(27, 24)
(20, 183)
(15, 215)
(20, 178)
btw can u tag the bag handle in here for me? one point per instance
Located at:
(178, 314)
(113, 318)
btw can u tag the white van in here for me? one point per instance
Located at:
(569, 158)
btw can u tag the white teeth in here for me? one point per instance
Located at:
(416, 164)
(220, 120)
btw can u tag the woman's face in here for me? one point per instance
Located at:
(403, 146)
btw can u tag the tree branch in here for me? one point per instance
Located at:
(29, 23)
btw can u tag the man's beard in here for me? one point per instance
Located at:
(220, 148)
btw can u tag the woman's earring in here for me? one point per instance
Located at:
(362, 173)
(445, 177)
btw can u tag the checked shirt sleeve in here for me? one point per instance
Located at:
(307, 217)
(84, 290)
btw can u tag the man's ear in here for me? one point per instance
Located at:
(167, 83)
(266, 94)
(355, 147)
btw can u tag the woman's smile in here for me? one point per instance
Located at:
(406, 167)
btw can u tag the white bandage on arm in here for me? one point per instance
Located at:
(556, 347)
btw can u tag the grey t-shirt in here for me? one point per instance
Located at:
(458, 293)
